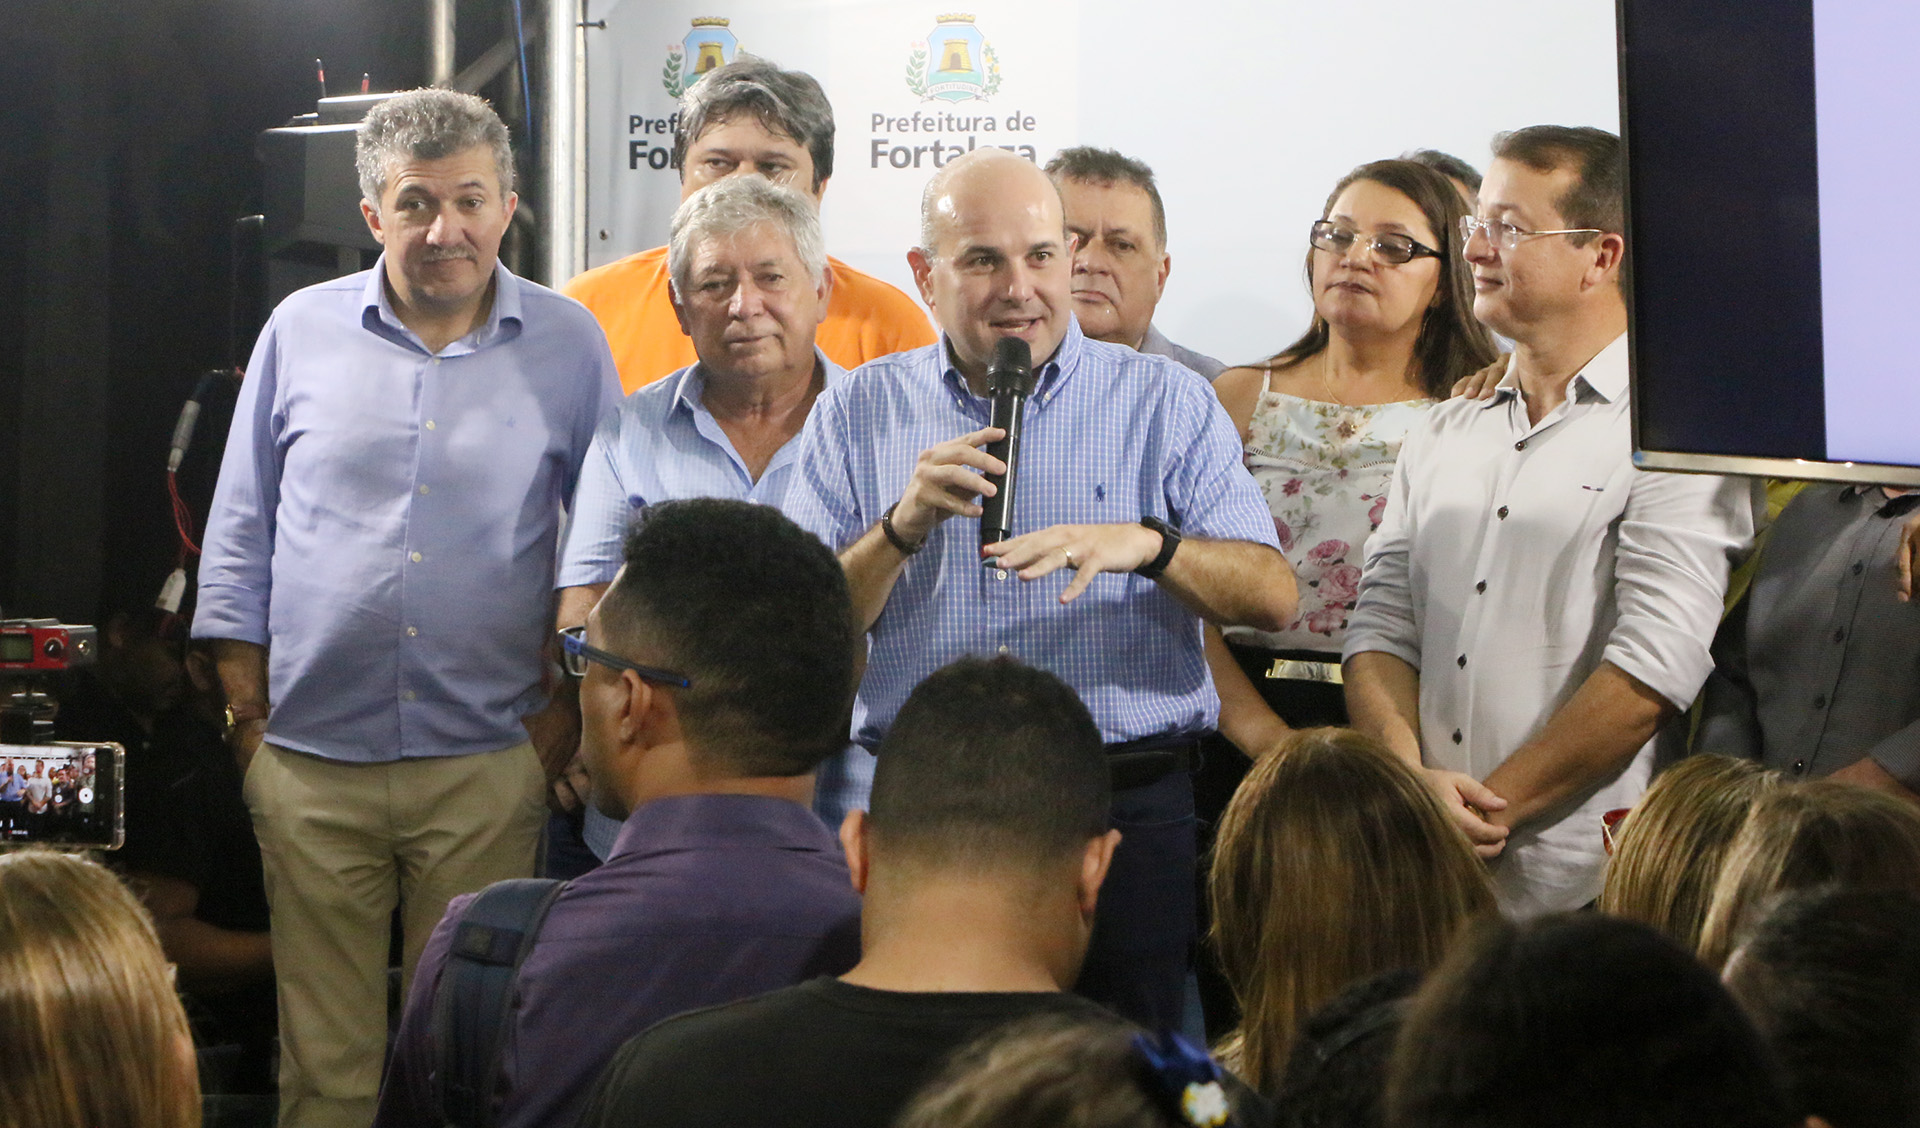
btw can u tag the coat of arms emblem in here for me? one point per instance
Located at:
(707, 46)
(955, 63)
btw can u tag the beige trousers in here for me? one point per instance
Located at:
(343, 844)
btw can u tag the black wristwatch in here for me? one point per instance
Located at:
(1169, 540)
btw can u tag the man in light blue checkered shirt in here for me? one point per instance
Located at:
(1087, 589)
(750, 281)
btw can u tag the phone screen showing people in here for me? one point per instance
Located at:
(62, 795)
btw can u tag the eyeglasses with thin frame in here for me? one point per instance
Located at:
(1392, 249)
(576, 653)
(1506, 236)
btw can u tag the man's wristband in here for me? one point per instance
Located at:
(899, 543)
(1169, 540)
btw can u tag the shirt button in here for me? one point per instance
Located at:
(1839, 634)
(409, 695)
(412, 631)
(1819, 701)
(1501, 513)
(1521, 445)
(1858, 566)
(1481, 586)
(423, 491)
(1457, 738)
(436, 360)
(1003, 650)
(999, 573)
(415, 557)
(1799, 767)
(1463, 661)
(429, 424)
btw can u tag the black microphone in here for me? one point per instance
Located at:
(1009, 382)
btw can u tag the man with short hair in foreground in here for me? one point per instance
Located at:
(1120, 259)
(716, 673)
(980, 860)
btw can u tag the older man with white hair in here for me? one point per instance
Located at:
(750, 286)
(378, 576)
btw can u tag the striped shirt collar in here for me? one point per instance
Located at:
(690, 386)
(1053, 374)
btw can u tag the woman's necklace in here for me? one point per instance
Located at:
(1326, 379)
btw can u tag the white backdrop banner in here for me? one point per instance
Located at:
(1248, 113)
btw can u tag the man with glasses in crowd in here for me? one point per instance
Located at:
(1533, 609)
(715, 674)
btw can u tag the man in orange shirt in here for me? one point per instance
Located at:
(746, 118)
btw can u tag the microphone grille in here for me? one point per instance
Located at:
(1012, 362)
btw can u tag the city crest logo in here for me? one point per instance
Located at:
(955, 63)
(707, 46)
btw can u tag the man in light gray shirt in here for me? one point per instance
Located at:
(1533, 609)
(1120, 259)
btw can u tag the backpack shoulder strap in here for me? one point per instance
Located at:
(474, 1003)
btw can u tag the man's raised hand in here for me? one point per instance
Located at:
(946, 480)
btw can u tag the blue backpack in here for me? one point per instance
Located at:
(475, 1001)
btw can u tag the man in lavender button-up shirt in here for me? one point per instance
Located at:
(378, 569)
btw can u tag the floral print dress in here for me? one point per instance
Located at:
(1324, 468)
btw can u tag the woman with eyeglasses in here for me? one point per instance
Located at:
(1324, 418)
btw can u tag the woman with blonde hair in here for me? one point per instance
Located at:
(1823, 833)
(1668, 851)
(92, 1034)
(1334, 862)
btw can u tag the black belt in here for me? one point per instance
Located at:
(1138, 763)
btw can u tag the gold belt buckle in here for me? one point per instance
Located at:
(1297, 669)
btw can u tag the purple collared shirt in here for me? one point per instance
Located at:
(706, 899)
(386, 516)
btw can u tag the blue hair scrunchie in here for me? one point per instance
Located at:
(1185, 1079)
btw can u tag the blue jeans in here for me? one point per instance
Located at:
(1144, 925)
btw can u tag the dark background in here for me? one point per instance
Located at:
(128, 130)
(1717, 110)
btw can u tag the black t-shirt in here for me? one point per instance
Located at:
(823, 1053)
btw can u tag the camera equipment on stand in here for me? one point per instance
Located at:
(52, 792)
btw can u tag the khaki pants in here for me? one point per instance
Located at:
(342, 844)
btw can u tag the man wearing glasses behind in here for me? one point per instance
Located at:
(1533, 609)
(715, 674)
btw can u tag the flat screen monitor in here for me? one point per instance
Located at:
(1773, 199)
